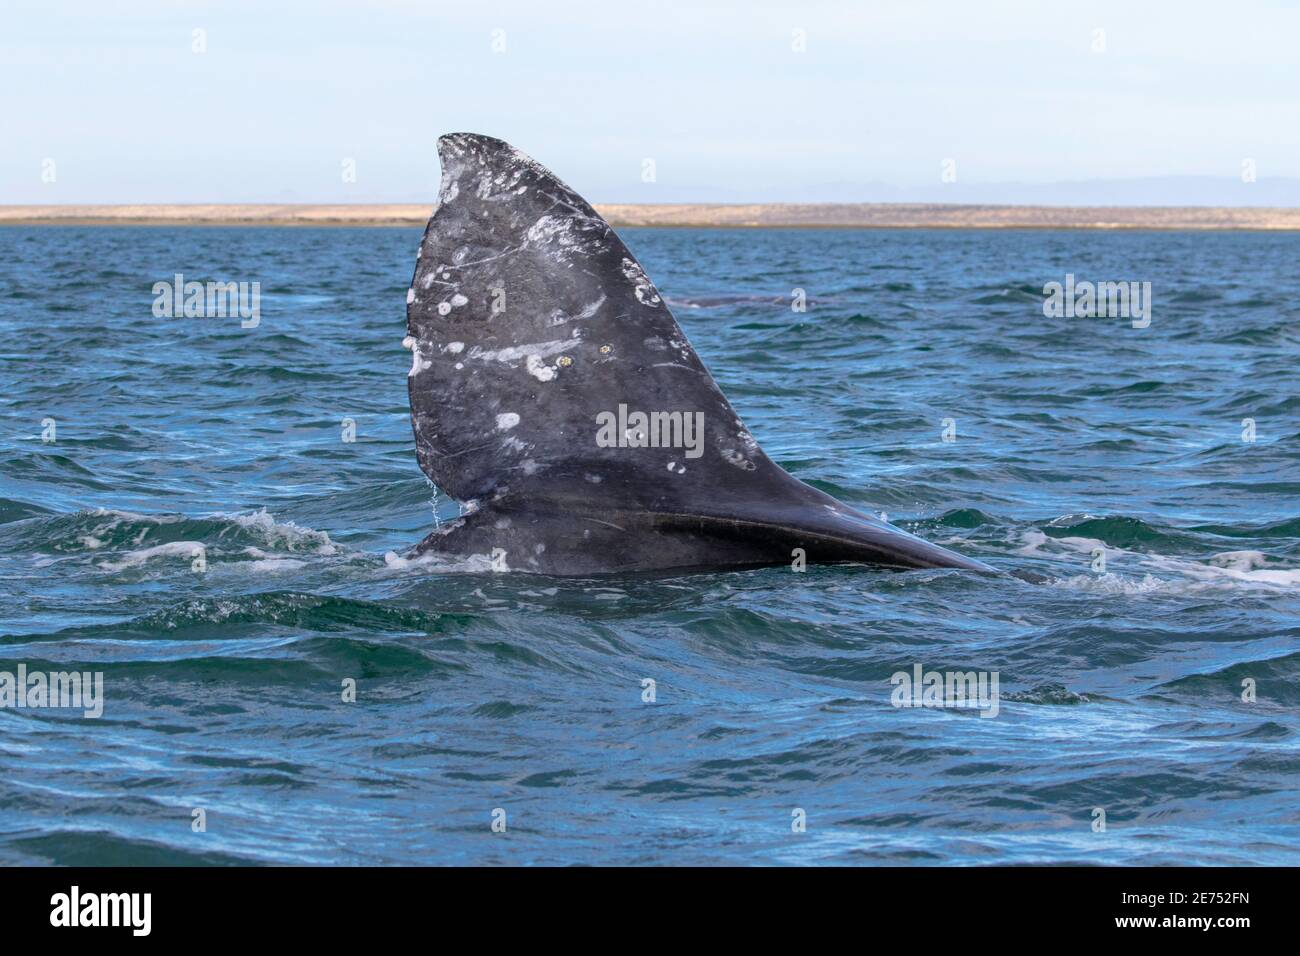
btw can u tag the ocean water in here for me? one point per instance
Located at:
(484, 696)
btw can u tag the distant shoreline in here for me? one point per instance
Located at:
(691, 215)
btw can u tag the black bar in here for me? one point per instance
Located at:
(946, 907)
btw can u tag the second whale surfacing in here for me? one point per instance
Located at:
(554, 394)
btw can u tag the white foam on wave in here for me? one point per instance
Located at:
(1111, 583)
(1228, 569)
(293, 537)
(172, 549)
(113, 519)
(1247, 567)
(277, 536)
(1239, 560)
(264, 561)
(1040, 544)
(116, 517)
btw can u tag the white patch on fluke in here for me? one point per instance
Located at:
(734, 457)
(538, 369)
(506, 421)
(514, 353)
(547, 227)
(645, 290)
(590, 310)
(418, 362)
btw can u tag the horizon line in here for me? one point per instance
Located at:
(863, 215)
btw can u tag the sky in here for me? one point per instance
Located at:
(1051, 101)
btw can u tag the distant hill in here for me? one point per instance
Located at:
(863, 215)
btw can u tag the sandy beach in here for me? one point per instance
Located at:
(766, 215)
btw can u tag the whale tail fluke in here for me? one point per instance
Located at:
(551, 386)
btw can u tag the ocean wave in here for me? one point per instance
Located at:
(1275, 682)
(121, 541)
(294, 610)
(1158, 572)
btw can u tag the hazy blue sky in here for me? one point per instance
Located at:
(714, 93)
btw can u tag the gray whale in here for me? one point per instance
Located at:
(532, 328)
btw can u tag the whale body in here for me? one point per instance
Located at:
(553, 393)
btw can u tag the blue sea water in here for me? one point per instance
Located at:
(1121, 688)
